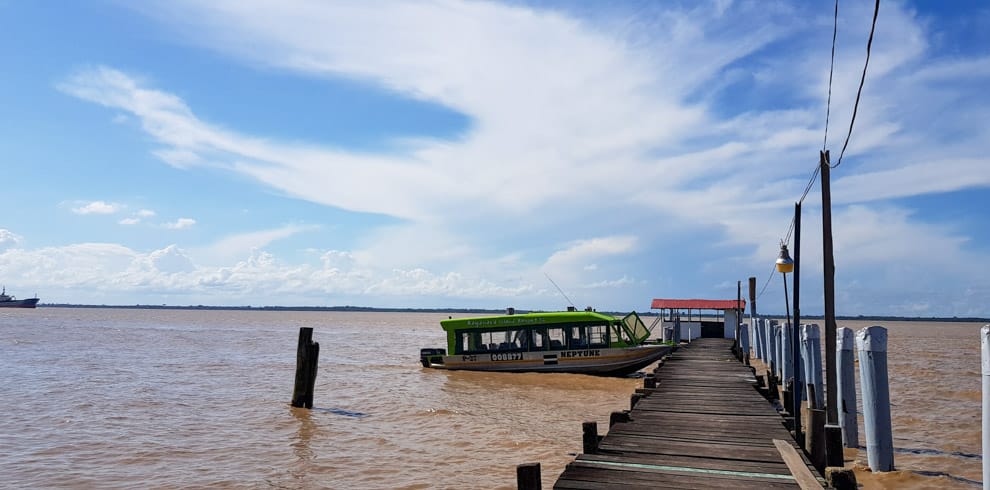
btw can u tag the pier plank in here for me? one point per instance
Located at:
(705, 426)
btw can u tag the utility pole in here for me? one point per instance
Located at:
(796, 335)
(833, 433)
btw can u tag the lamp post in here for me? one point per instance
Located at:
(784, 265)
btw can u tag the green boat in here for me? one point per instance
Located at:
(585, 342)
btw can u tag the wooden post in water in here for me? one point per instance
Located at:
(618, 418)
(589, 433)
(872, 345)
(634, 399)
(528, 477)
(815, 438)
(307, 360)
(985, 369)
(847, 386)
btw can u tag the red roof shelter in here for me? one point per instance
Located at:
(723, 325)
(697, 304)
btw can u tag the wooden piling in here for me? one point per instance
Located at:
(528, 477)
(815, 437)
(589, 439)
(307, 360)
(634, 399)
(786, 396)
(618, 418)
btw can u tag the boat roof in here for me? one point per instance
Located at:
(526, 319)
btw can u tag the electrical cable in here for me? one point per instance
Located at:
(862, 80)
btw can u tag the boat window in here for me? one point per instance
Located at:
(598, 336)
(540, 339)
(557, 339)
(470, 342)
(578, 338)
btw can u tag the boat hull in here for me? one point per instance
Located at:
(601, 362)
(20, 303)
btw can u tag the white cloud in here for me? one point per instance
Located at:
(579, 253)
(609, 124)
(97, 207)
(145, 213)
(129, 221)
(8, 239)
(180, 224)
(243, 244)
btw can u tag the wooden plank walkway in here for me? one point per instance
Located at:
(704, 426)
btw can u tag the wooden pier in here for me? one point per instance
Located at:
(705, 425)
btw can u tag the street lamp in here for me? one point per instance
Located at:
(785, 264)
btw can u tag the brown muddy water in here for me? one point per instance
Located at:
(112, 398)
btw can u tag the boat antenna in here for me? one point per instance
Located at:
(558, 289)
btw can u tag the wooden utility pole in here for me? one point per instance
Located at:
(796, 328)
(833, 432)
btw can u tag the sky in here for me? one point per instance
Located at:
(438, 154)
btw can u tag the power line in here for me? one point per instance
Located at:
(862, 80)
(828, 108)
(831, 68)
(769, 276)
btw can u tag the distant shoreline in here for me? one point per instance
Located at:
(368, 309)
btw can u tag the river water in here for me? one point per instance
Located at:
(120, 398)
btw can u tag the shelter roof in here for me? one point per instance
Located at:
(697, 304)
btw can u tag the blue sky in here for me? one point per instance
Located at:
(455, 154)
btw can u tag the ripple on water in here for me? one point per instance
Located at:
(200, 399)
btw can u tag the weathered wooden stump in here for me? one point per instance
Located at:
(307, 360)
(528, 477)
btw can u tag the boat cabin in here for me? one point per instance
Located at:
(707, 318)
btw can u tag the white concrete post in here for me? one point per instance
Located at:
(786, 362)
(872, 344)
(846, 384)
(744, 341)
(772, 348)
(985, 364)
(811, 355)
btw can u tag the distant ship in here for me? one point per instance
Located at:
(7, 301)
